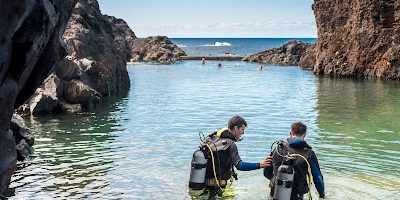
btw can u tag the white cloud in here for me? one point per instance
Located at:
(234, 29)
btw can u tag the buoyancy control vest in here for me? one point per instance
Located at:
(299, 184)
(220, 142)
(212, 161)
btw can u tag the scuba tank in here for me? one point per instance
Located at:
(198, 170)
(204, 158)
(283, 182)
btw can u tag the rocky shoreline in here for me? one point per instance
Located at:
(54, 79)
(99, 46)
(28, 55)
(289, 53)
(38, 75)
(356, 39)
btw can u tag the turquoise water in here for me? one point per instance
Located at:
(139, 146)
(238, 46)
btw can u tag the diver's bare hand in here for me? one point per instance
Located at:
(266, 163)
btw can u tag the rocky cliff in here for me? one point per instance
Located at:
(358, 38)
(98, 49)
(96, 62)
(30, 47)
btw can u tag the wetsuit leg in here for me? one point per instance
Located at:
(212, 194)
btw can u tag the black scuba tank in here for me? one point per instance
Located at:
(283, 182)
(198, 169)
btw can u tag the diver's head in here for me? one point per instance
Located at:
(236, 126)
(298, 129)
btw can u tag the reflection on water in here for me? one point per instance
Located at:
(140, 146)
(359, 136)
(70, 158)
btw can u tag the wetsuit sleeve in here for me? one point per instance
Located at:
(317, 175)
(246, 166)
(237, 161)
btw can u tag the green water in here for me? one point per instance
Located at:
(139, 146)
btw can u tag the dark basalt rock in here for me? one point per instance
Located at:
(288, 54)
(30, 47)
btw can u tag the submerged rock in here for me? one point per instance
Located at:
(288, 54)
(358, 38)
(23, 137)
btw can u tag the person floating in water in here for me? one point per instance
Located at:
(260, 68)
(219, 65)
(203, 61)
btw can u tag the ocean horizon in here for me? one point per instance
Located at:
(235, 46)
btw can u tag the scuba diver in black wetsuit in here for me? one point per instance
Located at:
(291, 167)
(219, 164)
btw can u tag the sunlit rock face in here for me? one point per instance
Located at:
(98, 53)
(30, 48)
(156, 49)
(98, 48)
(358, 38)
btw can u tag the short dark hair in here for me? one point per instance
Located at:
(299, 128)
(236, 121)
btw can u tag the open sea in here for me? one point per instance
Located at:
(140, 145)
(236, 46)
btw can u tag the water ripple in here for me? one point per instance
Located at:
(140, 146)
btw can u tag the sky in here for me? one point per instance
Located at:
(215, 18)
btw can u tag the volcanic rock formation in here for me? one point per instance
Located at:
(156, 49)
(99, 47)
(95, 66)
(358, 38)
(288, 54)
(30, 47)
